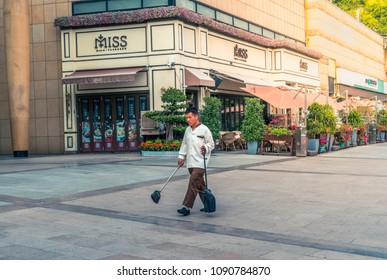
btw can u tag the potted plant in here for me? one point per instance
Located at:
(357, 122)
(210, 115)
(174, 104)
(320, 119)
(279, 131)
(253, 124)
(382, 122)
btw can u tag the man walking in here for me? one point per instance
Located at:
(197, 141)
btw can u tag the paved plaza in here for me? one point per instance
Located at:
(97, 206)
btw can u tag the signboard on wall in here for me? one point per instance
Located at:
(110, 42)
(300, 65)
(361, 81)
(236, 52)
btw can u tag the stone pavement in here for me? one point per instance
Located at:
(98, 206)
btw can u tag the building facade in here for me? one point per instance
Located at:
(355, 55)
(93, 76)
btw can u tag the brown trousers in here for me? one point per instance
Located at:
(196, 183)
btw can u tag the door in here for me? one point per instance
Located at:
(85, 125)
(97, 125)
(111, 123)
(109, 127)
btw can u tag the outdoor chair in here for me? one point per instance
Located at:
(228, 139)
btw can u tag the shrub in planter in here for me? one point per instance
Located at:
(355, 119)
(279, 131)
(160, 145)
(174, 105)
(253, 124)
(320, 119)
(210, 115)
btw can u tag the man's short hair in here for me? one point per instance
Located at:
(192, 109)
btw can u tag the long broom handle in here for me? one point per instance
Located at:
(205, 169)
(169, 178)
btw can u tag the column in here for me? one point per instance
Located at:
(17, 51)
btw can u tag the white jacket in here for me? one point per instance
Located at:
(193, 140)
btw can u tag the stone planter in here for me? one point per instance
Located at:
(383, 136)
(252, 147)
(354, 138)
(313, 144)
(331, 140)
(160, 153)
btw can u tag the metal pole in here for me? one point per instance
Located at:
(346, 106)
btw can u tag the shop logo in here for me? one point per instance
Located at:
(303, 66)
(240, 54)
(115, 43)
(371, 82)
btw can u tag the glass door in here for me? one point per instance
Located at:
(85, 125)
(111, 123)
(108, 124)
(120, 124)
(97, 125)
(132, 123)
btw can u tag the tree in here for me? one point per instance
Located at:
(253, 123)
(210, 115)
(173, 114)
(321, 119)
(373, 13)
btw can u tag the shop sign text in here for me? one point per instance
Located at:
(240, 54)
(371, 82)
(303, 66)
(108, 44)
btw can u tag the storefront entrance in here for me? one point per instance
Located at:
(110, 123)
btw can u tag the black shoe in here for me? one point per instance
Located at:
(183, 211)
(202, 210)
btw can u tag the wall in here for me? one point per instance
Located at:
(340, 37)
(285, 17)
(46, 114)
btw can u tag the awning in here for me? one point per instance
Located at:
(102, 76)
(194, 77)
(243, 79)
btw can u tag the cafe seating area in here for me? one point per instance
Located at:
(231, 141)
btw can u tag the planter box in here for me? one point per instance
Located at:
(354, 138)
(252, 147)
(160, 153)
(313, 144)
(277, 145)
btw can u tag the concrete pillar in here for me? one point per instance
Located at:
(17, 51)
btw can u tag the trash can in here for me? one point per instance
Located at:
(372, 134)
(301, 141)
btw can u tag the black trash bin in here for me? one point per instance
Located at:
(372, 134)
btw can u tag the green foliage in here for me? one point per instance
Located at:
(173, 114)
(178, 131)
(279, 131)
(373, 13)
(382, 117)
(210, 115)
(321, 119)
(253, 122)
(355, 119)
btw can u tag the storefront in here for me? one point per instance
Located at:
(356, 84)
(113, 73)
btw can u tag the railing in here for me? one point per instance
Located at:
(100, 6)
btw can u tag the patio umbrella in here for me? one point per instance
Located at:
(280, 97)
(321, 98)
